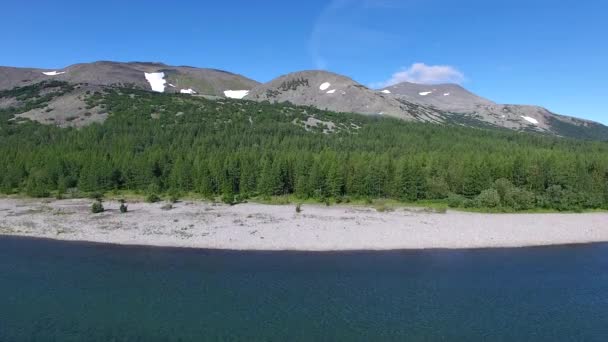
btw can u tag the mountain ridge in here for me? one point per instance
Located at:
(455, 98)
(439, 103)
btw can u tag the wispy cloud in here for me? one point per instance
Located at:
(424, 74)
(341, 31)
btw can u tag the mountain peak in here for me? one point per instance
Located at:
(322, 89)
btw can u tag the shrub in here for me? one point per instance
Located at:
(174, 198)
(123, 206)
(489, 198)
(241, 198)
(98, 196)
(228, 199)
(455, 201)
(74, 193)
(519, 199)
(97, 207)
(152, 198)
(37, 185)
(503, 186)
(469, 203)
(564, 199)
(593, 200)
(167, 206)
(298, 208)
(382, 207)
(542, 201)
(438, 188)
(440, 210)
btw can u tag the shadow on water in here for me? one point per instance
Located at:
(68, 291)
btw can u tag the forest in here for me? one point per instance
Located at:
(177, 145)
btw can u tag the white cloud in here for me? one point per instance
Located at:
(424, 74)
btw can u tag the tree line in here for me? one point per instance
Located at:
(174, 144)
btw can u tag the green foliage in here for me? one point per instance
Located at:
(97, 207)
(229, 199)
(488, 199)
(152, 198)
(96, 195)
(123, 206)
(519, 199)
(32, 96)
(585, 129)
(455, 201)
(174, 195)
(294, 84)
(381, 206)
(241, 149)
(38, 184)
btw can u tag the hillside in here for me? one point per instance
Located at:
(329, 91)
(440, 104)
(157, 144)
(68, 107)
(452, 98)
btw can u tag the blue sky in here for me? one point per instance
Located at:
(550, 53)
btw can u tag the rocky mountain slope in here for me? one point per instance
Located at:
(60, 97)
(443, 103)
(66, 90)
(329, 91)
(150, 76)
(453, 98)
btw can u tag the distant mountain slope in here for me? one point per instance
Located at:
(65, 91)
(35, 94)
(141, 75)
(452, 98)
(326, 90)
(448, 97)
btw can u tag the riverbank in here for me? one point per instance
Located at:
(269, 227)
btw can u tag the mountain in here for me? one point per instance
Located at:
(142, 75)
(329, 91)
(447, 97)
(453, 98)
(63, 97)
(66, 90)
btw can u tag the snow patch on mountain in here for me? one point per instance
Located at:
(331, 91)
(53, 73)
(236, 94)
(386, 91)
(325, 86)
(529, 119)
(187, 91)
(425, 93)
(446, 94)
(171, 85)
(156, 80)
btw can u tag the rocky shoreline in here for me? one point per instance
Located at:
(270, 227)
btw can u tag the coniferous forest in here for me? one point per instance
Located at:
(171, 144)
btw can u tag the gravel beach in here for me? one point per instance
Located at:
(269, 227)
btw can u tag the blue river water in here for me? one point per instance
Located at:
(67, 291)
